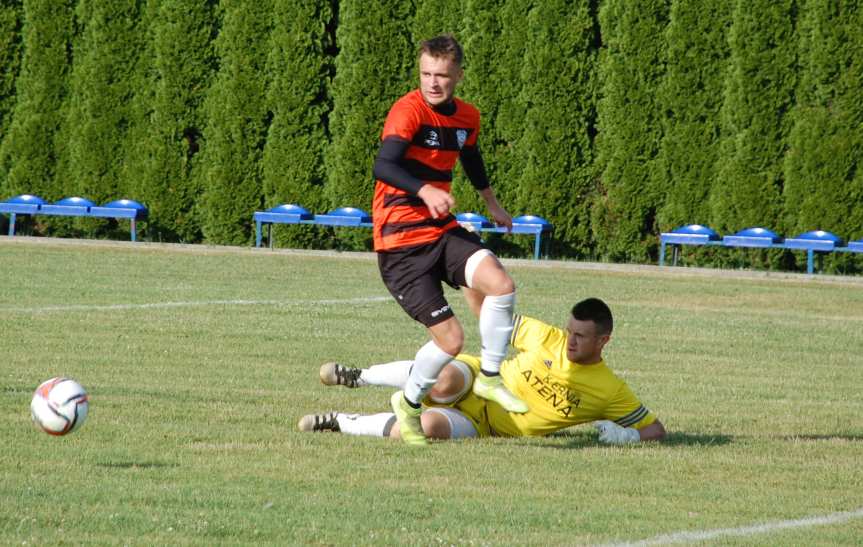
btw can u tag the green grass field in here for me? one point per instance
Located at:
(199, 361)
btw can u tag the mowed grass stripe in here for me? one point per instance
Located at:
(158, 305)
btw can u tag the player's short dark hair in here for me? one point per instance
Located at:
(594, 309)
(444, 45)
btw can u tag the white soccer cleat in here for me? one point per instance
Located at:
(319, 422)
(334, 374)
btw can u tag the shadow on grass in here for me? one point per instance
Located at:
(136, 465)
(691, 439)
(17, 390)
(575, 440)
(796, 438)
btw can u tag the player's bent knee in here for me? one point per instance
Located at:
(448, 336)
(435, 425)
(505, 286)
(453, 383)
(458, 426)
(503, 282)
(490, 278)
(451, 346)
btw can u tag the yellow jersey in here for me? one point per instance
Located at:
(559, 393)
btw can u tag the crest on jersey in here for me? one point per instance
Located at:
(432, 139)
(461, 135)
(547, 362)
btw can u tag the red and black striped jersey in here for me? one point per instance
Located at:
(435, 140)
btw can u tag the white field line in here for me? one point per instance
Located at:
(766, 528)
(195, 303)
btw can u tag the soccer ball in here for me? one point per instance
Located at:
(59, 406)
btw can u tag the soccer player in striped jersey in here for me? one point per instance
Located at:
(420, 244)
(559, 373)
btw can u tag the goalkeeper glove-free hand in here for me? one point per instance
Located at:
(611, 433)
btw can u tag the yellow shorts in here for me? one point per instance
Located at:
(473, 407)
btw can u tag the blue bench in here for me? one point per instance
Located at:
(27, 204)
(294, 214)
(353, 217)
(811, 242)
(524, 224)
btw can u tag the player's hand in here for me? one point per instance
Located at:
(611, 433)
(439, 202)
(500, 216)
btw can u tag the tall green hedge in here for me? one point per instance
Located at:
(299, 101)
(631, 67)
(29, 150)
(436, 17)
(298, 97)
(504, 131)
(11, 21)
(237, 124)
(300, 62)
(759, 94)
(824, 179)
(100, 93)
(174, 70)
(141, 78)
(824, 165)
(484, 88)
(559, 94)
(689, 95)
(374, 67)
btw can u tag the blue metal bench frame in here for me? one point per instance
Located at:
(73, 207)
(294, 214)
(811, 242)
(525, 224)
(352, 217)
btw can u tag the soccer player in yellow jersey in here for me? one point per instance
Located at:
(559, 373)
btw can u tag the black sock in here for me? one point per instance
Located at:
(487, 373)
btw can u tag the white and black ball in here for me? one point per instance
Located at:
(59, 406)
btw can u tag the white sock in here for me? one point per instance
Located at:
(373, 425)
(393, 374)
(495, 328)
(428, 363)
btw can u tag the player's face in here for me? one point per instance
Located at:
(583, 344)
(438, 78)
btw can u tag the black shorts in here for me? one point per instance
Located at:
(413, 275)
